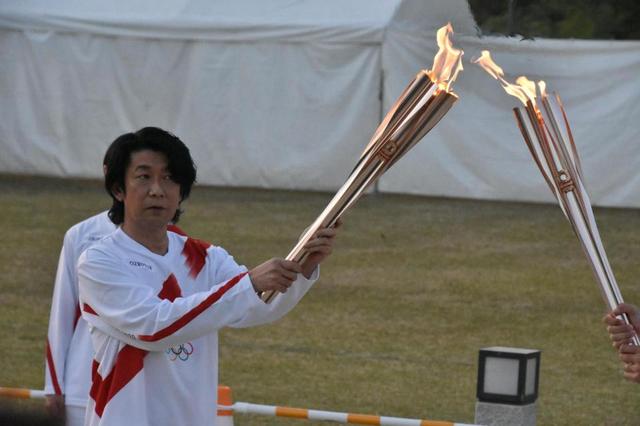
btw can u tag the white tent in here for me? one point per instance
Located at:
(286, 93)
(477, 151)
(277, 93)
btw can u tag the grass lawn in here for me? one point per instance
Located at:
(415, 287)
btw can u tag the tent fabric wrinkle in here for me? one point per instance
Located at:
(340, 21)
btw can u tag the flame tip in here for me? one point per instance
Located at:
(447, 63)
(523, 89)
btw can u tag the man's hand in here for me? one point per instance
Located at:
(319, 248)
(274, 274)
(619, 332)
(54, 404)
(630, 356)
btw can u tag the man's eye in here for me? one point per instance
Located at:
(142, 177)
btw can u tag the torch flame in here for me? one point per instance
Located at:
(543, 88)
(448, 61)
(524, 89)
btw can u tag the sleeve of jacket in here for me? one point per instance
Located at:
(283, 303)
(62, 318)
(116, 304)
(262, 313)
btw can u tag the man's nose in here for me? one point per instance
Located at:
(156, 189)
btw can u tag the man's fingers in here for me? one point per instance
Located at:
(323, 251)
(633, 377)
(281, 273)
(54, 404)
(290, 266)
(632, 372)
(619, 337)
(626, 358)
(283, 286)
(289, 276)
(620, 328)
(326, 233)
(630, 349)
(611, 320)
(318, 242)
(280, 284)
(624, 308)
(274, 274)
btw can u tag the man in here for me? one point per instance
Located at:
(69, 354)
(68, 349)
(155, 300)
(621, 335)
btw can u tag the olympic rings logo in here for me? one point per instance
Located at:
(181, 352)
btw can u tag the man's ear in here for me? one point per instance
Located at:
(118, 193)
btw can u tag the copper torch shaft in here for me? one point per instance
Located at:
(418, 109)
(555, 155)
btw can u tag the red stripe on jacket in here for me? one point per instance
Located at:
(78, 314)
(52, 371)
(170, 289)
(129, 363)
(89, 309)
(195, 253)
(176, 230)
(193, 313)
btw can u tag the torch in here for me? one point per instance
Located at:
(419, 108)
(545, 128)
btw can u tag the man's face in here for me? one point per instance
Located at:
(150, 198)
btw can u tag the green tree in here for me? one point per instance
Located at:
(585, 19)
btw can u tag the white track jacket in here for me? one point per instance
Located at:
(68, 349)
(154, 322)
(69, 353)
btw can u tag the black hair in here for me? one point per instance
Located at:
(118, 158)
(108, 155)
